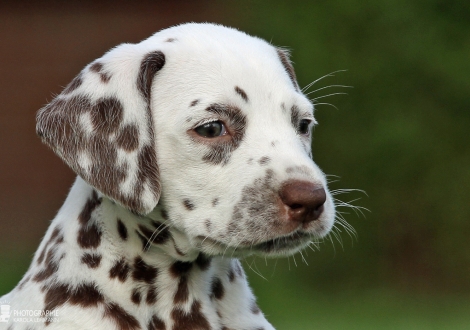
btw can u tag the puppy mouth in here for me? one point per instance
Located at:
(283, 245)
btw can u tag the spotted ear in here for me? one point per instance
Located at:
(102, 127)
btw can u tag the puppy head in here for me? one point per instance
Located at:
(209, 123)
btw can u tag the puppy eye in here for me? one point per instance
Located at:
(211, 130)
(304, 126)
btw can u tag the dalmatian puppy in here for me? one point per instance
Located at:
(192, 148)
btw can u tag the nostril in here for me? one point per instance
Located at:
(295, 206)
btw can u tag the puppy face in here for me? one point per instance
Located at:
(232, 130)
(206, 124)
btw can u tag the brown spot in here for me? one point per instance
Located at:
(128, 138)
(305, 170)
(264, 160)
(217, 289)
(208, 225)
(84, 295)
(41, 255)
(194, 320)
(274, 143)
(97, 67)
(120, 270)
(122, 319)
(107, 115)
(231, 275)
(286, 63)
(250, 161)
(162, 234)
(144, 272)
(193, 103)
(51, 266)
(242, 93)
(23, 282)
(122, 229)
(74, 84)
(180, 268)
(92, 203)
(151, 296)
(136, 297)
(170, 39)
(220, 151)
(254, 308)
(89, 236)
(203, 261)
(146, 232)
(182, 293)
(54, 236)
(164, 214)
(188, 205)
(91, 260)
(295, 116)
(215, 201)
(156, 324)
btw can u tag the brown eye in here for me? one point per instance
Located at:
(211, 130)
(303, 127)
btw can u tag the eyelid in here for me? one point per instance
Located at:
(206, 121)
(311, 119)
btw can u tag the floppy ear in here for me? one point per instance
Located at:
(102, 127)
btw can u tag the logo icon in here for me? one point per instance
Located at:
(4, 313)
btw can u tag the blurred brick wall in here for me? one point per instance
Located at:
(42, 48)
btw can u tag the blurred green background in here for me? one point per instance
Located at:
(401, 134)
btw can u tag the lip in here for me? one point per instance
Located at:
(283, 243)
(278, 245)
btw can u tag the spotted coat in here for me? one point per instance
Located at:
(150, 233)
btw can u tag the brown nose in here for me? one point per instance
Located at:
(304, 200)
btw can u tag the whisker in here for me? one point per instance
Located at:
(331, 74)
(254, 271)
(329, 86)
(327, 95)
(326, 103)
(275, 264)
(303, 259)
(154, 235)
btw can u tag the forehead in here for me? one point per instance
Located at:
(217, 64)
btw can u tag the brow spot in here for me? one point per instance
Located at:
(264, 160)
(242, 93)
(188, 205)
